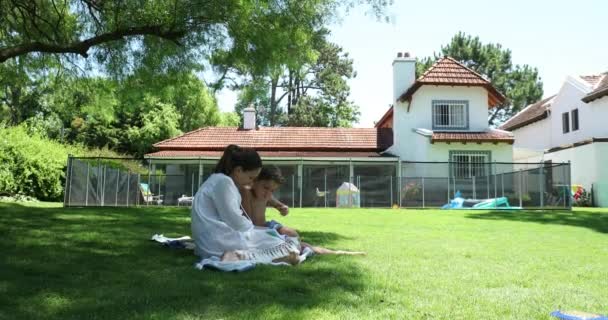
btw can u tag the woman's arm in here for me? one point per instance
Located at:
(227, 201)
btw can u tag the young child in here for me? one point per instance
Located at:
(259, 196)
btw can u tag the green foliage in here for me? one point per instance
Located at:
(160, 121)
(310, 90)
(229, 119)
(521, 84)
(33, 165)
(119, 74)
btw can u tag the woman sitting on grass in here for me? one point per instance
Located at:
(220, 228)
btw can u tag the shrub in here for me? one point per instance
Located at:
(32, 165)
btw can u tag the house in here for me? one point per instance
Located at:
(568, 126)
(443, 116)
(433, 141)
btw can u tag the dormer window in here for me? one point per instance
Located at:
(450, 114)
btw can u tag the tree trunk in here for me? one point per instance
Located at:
(290, 84)
(273, 101)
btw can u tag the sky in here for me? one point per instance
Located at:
(560, 38)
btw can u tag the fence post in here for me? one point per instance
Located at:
(569, 180)
(86, 196)
(520, 187)
(99, 181)
(293, 191)
(474, 188)
(502, 183)
(200, 174)
(116, 189)
(103, 187)
(494, 178)
(149, 182)
(423, 204)
(448, 184)
(391, 179)
(325, 187)
(128, 185)
(138, 184)
(399, 181)
(68, 182)
(300, 182)
(488, 184)
(542, 184)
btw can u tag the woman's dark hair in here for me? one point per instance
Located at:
(271, 173)
(235, 156)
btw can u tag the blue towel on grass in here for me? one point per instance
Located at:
(214, 263)
(577, 315)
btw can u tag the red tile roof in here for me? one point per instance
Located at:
(448, 71)
(386, 120)
(530, 114)
(264, 154)
(592, 79)
(282, 139)
(600, 89)
(488, 136)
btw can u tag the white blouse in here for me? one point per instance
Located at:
(218, 224)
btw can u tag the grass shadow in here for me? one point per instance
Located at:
(319, 238)
(594, 220)
(90, 262)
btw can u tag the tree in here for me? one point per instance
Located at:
(160, 121)
(229, 119)
(521, 84)
(316, 83)
(119, 32)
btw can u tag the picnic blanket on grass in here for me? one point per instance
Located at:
(214, 263)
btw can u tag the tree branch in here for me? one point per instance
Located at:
(82, 47)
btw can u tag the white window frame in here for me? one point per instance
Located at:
(468, 164)
(457, 114)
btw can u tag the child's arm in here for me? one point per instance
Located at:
(280, 206)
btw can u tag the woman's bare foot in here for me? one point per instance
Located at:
(231, 256)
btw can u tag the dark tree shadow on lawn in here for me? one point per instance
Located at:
(80, 263)
(590, 219)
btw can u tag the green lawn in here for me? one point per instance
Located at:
(58, 263)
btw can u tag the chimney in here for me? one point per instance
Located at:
(404, 73)
(249, 118)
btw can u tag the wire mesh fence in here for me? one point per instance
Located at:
(309, 183)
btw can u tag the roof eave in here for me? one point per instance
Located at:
(595, 95)
(386, 115)
(542, 116)
(494, 141)
(494, 97)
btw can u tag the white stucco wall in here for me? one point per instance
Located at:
(535, 136)
(592, 116)
(589, 166)
(440, 152)
(583, 159)
(420, 116)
